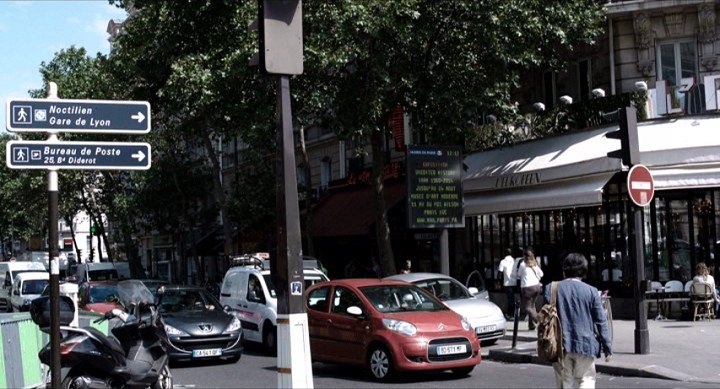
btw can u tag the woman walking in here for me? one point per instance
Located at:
(530, 287)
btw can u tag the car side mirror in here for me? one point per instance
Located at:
(355, 311)
(473, 290)
(16, 292)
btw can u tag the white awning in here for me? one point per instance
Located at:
(580, 192)
(570, 170)
(686, 178)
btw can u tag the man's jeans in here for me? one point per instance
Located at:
(577, 371)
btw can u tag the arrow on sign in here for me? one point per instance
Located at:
(139, 117)
(139, 156)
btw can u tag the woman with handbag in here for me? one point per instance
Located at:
(530, 286)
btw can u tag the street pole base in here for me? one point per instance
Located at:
(293, 360)
(642, 341)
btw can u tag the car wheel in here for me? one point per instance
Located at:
(380, 364)
(9, 308)
(165, 380)
(463, 371)
(270, 339)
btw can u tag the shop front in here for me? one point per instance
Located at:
(562, 194)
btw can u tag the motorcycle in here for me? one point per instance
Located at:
(133, 357)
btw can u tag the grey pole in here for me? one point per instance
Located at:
(642, 336)
(54, 261)
(293, 338)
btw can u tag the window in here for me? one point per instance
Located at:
(255, 292)
(343, 299)
(677, 61)
(325, 173)
(318, 299)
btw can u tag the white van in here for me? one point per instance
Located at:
(248, 292)
(8, 271)
(25, 288)
(96, 271)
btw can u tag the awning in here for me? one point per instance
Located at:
(556, 172)
(586, 191)
(571, 170)
(351, 212)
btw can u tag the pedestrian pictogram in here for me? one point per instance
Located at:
(641, 187)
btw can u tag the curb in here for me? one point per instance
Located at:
(525, 353)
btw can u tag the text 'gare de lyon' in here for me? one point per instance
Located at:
(75, 110)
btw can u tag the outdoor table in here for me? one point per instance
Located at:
(661, 297)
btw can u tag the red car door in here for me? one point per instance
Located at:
(349, 334)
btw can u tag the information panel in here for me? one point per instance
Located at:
(435, 197)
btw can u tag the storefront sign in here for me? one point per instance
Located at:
(517, 180)
(435, 196)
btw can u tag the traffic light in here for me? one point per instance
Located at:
(627, 133)
(279, 24)
(93, 229)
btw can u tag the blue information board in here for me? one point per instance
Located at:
(82, 116)
(78, 155)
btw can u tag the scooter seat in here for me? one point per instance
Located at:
(107, 341)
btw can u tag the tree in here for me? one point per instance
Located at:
(444, 62)
(198, 81)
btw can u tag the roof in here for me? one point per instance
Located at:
(414, 277)
(363, 282)
(34, 275)
(351, 212)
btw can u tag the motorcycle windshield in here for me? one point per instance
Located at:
(134, 292)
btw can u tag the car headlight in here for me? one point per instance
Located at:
(27, 301)
(400, 326)
(466, 324)
(234, 325)
(174, 331)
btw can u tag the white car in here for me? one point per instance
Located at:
(248, 292)
(27, 287)
(486, 317)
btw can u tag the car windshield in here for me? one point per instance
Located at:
(401, 298)
(102, 293)
(103, 274)
(133, 292)
(34, 286)
(183, 300)
(444, 288)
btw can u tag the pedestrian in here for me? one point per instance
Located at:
(530, 286)
(584, 326)
(406, 269)
(508, 269)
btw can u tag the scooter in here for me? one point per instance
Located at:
(133, 357)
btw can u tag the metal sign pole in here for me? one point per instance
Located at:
(293, 360)
(54, 261)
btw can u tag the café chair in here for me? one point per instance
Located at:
(687, 285)
(701, 297)
(673, 289)
(656, 287)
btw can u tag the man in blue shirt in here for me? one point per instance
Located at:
(584, 325)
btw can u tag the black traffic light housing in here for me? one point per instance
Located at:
(627, 133)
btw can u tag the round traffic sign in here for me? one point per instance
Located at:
(641, 187)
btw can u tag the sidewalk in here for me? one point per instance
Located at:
(679, 350)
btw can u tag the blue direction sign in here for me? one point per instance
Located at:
(86, 116)
(78, 155)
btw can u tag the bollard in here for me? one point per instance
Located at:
(515, 324)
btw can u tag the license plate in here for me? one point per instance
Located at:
(484, 329)
(451, 349)
(211, 352)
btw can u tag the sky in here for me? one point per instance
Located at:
(31, 32)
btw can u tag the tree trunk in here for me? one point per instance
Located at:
(382, 228)
(218, 192)
(309, 201)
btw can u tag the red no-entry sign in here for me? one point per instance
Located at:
(641, 187)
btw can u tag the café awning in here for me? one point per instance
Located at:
(571, 170)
